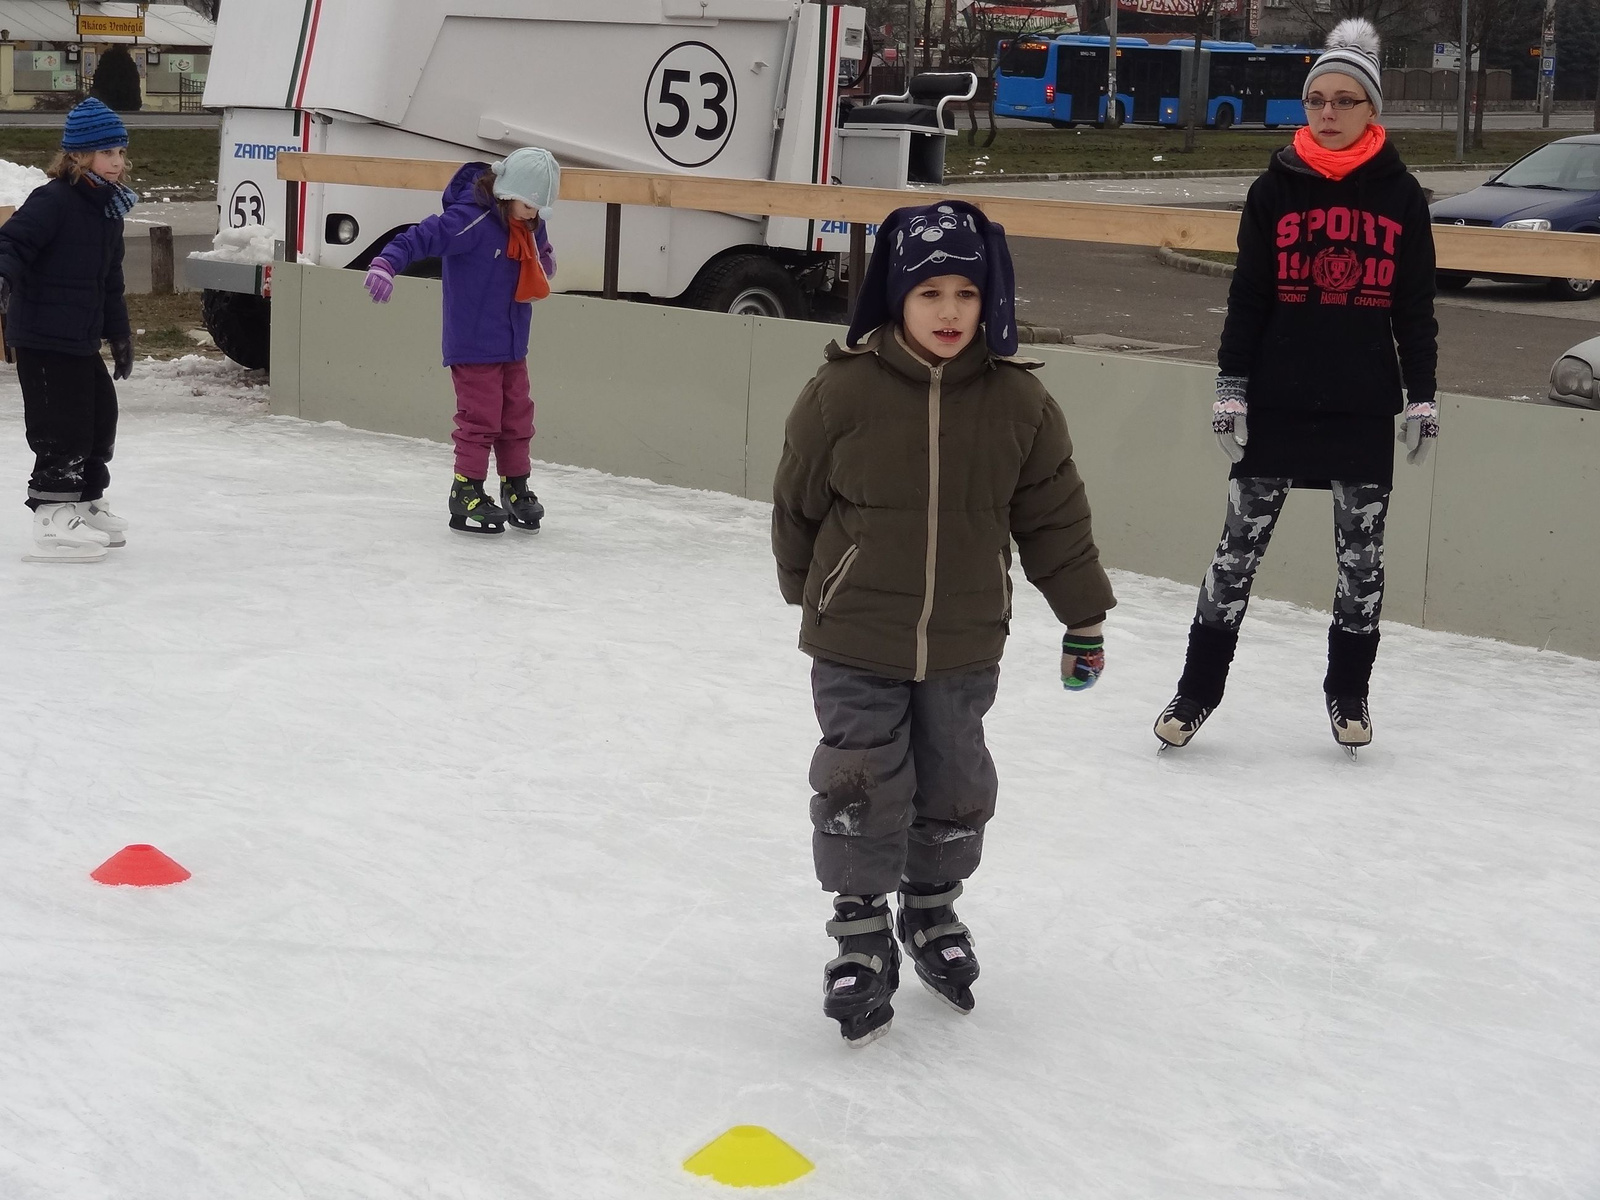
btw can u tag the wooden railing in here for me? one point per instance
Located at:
(1460, 248)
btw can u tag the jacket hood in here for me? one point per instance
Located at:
(1383, 165)
(462, 188)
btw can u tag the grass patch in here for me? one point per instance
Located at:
(177, 163)
(1050, 151)
(166, 321)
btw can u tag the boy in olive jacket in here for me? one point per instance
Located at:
(911, 461)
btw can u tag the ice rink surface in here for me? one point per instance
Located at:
(502, 883)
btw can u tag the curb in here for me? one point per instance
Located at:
(1231, 173)
(1042, 335)
(1195, 266)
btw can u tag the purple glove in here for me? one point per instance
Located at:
(379, 281)
(547, 254)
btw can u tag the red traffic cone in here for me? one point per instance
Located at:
(139, 866)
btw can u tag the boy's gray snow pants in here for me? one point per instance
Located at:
(904, 782)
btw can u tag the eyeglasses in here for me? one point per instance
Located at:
(1343, 103)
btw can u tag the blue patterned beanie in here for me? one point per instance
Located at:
(92, 126)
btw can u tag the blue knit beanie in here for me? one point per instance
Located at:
(950, 238)
(93, 126)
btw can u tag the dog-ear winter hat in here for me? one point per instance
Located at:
(952, 238)
(92, 126)
(531, 175)
(1353, 50)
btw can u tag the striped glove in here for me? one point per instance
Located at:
(1228, 415)
(379, 281)
(1420, 430)
(1083, 660)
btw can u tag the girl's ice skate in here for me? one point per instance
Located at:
(857, 986)
(940, 946)
(522, 507)
(61, 535)
(97, 514)
(1180, 721)
(1351, 722)
(473, 512)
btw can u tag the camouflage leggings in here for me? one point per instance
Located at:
(1359, 510)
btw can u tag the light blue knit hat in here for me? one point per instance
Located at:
(93, 126)
(531, 175)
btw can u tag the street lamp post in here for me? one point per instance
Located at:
(1461, 90)
(1113, 113)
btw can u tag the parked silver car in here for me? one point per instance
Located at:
(1572, 379)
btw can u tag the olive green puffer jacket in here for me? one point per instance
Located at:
(899, 492)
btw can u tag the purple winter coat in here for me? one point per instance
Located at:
(483, 322)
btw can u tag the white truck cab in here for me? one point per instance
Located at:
(734, 88)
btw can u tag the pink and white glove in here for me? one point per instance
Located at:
(1420, 430)
(379, 281)
(1230, 416)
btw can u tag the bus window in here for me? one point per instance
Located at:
(1025, 60)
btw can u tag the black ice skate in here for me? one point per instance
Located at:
(940, 946)
(522, 507)
(473, 512)
(1180, 721)
(857, 986)
(1351, 722)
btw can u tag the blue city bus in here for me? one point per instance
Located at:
(1062, 80)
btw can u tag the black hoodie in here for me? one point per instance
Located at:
(1332, 276)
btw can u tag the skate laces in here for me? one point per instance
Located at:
(1348, 710)
(1185, 711)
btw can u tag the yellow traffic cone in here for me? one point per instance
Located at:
(748, 1156)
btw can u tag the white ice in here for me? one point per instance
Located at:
(17, 182)
(250, 244)
(502, 881)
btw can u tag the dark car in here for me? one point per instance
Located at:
(1556, 187)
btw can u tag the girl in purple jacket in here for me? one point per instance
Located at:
(497, 260)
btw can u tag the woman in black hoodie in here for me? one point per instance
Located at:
(1335, 273)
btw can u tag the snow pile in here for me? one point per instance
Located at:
(17, 182)
(502, 880)
(250, 244)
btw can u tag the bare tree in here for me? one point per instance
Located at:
(1395, 20)
(1490, 23)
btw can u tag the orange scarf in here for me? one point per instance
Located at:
(531, 283)
(1336, 164)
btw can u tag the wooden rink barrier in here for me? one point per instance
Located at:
(1481, 251)
(1491, 537)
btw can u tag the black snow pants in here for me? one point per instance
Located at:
(69, 406)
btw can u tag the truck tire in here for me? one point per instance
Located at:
(240, 325)
(752, 285)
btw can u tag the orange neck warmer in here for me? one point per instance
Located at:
(531, 283)
(1336, 164)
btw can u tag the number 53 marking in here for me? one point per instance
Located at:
(691, 104)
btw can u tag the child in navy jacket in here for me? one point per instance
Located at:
(61, 293)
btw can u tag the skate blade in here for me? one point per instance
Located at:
(867, 1038)
(525, 526)
(461, 525)
(952, 1003)
(66, 558)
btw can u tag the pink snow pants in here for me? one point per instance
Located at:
(494, 410)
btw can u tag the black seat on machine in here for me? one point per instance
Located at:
(924, 105)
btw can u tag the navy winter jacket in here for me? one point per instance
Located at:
(63, 258)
